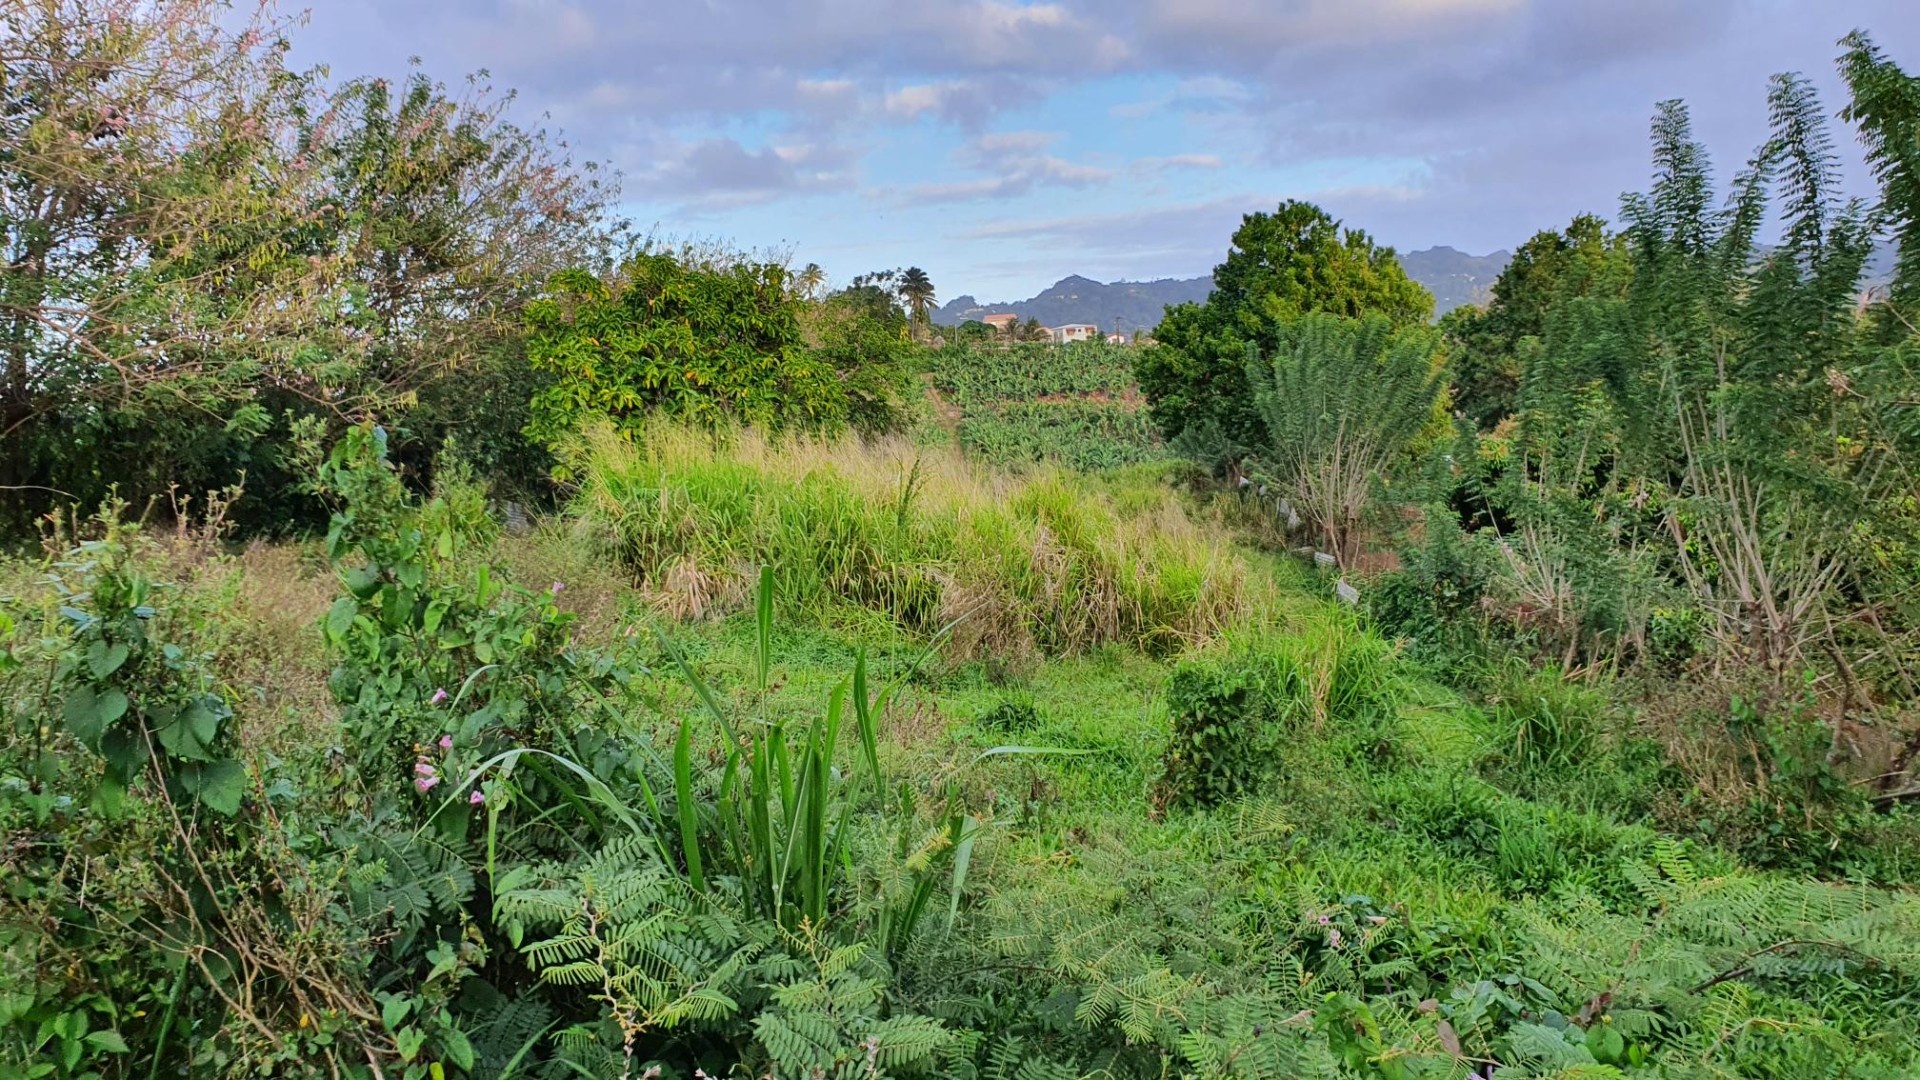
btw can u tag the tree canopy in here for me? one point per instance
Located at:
(1281, 266)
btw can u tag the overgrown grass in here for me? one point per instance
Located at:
(1509, 879)
(1045, 564)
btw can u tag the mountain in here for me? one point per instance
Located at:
(1453, 277)
(1123, 305)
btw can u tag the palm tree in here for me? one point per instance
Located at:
(810, 280)
(916, 290)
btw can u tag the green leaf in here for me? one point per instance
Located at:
(204, 722)
(177, 734)
(362, 583)
(458, 1048)
(340, 617)
(124, 750)
(1051, 751)
(394, 1011)
(222, 785)
(104, 659)
(408, 1042)
(109, 1041)
(89, 711)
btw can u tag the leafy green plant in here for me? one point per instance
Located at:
(1224, 713)
(709, 342)
(1078, 434)
(139, 702)
(1343, 402)
(426, 659)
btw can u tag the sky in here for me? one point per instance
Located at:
(1003, 145)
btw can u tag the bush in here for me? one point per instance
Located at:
(1224, 713)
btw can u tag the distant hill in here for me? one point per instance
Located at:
(1454, 278)
(1123, 305)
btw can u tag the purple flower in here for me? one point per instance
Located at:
(438, 697)
(555, 589)
(423, 768)
(446, 742)
(425, 783)
(476, 798)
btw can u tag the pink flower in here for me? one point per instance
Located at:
(1333, 937)
(425, 783)
(446, 742)
(423, 768)
(438, 697)
(555, 589)
(476, 798)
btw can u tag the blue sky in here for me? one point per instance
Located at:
(1003, 145)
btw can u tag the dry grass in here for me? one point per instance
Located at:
(596, 589)
(271, 651)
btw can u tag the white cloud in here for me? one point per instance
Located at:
(1178, 161)
(1017, 162)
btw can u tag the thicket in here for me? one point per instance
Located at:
(865, 759)
(1707, 458)
(207, 253)
(518, 853)
(709, 341)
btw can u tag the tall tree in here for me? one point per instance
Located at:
(1485, 345)
(810, 280)
(916, 291)
(1282, 265)
(156, 235)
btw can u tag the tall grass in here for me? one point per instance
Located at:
(1042, 564)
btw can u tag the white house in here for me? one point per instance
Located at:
(1074, 332)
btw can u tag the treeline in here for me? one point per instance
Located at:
(1664, 443)
(207, 253)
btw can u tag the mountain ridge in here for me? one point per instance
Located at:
(1454, 277)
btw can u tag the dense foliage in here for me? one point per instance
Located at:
(535, 850)
(710, 343)
(1281, 266)
(201, 247)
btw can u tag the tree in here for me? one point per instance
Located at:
(865, 339)
(1282, 265)
(1343, 400)
(810, 280)
(916, 291)
(1549, 271)
(1885, 107)
(201, 245)
(452, 220)
(159, 239)
(1699, 422)
(710, 342)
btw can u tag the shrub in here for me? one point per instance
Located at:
(1223, 712)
